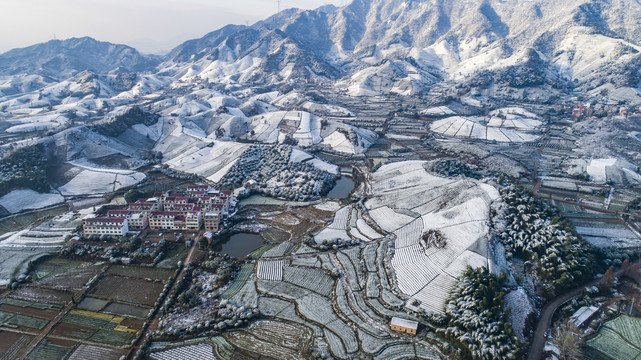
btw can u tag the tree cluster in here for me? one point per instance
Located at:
(26, 167)
(277, 176)
(538, 234)
(434, 238)
(476, 318)
(334, 244)
(121, 123)
(127, 250)
(453, 168)
(222, 265)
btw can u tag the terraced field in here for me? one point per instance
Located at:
(348, 316)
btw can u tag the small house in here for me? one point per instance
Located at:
(404, 325)
(581, 316)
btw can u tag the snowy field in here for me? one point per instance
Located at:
(211, 162)
(18, 248)
(20, 200)
(512, 124)
(408, 201)
(91, 181)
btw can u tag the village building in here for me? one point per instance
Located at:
(147, 205)
(137, 221)
(404, 325)
(582, 316)
(105, 226)
(162, 220)
(212, 221)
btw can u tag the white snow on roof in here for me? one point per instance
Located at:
(396, 321)
(582, 315)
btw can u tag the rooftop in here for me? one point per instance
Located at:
(409, 324)
(582, 315)
(106, 220)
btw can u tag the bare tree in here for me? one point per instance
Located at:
(568, 342)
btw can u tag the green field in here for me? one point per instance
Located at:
(619, 338)
(49, 351)
(242, 277)
(20, 221)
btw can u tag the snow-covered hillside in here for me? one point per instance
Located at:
(408, 202)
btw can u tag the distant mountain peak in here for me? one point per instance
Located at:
(60, 59)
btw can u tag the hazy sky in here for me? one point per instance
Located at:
(148, 25)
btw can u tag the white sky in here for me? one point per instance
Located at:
(148, 25)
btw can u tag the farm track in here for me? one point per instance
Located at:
(47, 330)
(156, 320)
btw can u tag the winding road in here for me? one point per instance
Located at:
(545, 319)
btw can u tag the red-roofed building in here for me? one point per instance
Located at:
(194, 188)
(212, 221)
(137, 220)
(144, 205)
(114, 226)
(162, 220)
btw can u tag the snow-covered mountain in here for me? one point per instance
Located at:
(60, 59)
(403, 46)
(371, 47)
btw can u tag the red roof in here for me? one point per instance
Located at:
(181, 205)
(226, 192)
(105, 220)
(118, 213)
(164, 213)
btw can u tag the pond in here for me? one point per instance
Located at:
(344, 186)
(239, 245)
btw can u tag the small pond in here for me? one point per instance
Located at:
(239, 245)
(344, 186)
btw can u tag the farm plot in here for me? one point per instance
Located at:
(247, 296)
(51, 350)
(97, 327)
(311, 279)
(270, 270)
(459, 209)
(280, 250)
(12, 344)
(91, 352)
(210, 162)
(20, 200)
(65, 274)
(274, 339)
(99, 181)
(513, 127)
(619, 338)
(19, 314)
(367, 230)
(140, 272)
(245, 272)
(127, 310)
(202, 351)
(337, 229)
(603, 234)
(40, 295)
(135, 291)
(18, 321)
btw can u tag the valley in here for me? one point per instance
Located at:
(298, 187)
